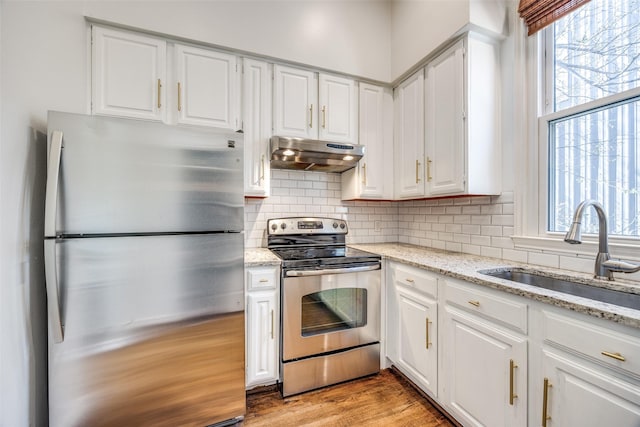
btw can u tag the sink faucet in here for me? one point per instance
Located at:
(605, 266)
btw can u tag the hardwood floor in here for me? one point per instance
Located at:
(382, 400)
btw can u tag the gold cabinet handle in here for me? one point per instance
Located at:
(264, 280)
(545, 400)
(159, 92)
(417, 171)
(475, 303)
(324, 116)
(429, 178)
(311, 116)
(409, 280)
(272, 324)
(364, 174)
(427, 344)
(616, 356)
(512, 368)
(261, 169)
(179, 97)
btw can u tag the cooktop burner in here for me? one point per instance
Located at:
(313, 242)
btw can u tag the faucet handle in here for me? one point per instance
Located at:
(621, 266)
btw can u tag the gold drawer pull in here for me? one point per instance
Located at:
(179, 97)
(409, 280)
(272, 324)
(616, 356)
(475, 303)
(512, 368)
(545, 400)
(364, 174)
(264, 280)
(324, 116)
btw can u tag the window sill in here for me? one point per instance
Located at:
(588, 248)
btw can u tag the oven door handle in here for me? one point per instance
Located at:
(302, 273)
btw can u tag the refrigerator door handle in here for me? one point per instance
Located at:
(53, 298)
(51, 195)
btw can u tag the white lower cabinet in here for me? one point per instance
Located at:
(590, 373)
(490, 358)
(412, 328)
(262, 325)
(485, 368)
(484, 355)
(580, 395)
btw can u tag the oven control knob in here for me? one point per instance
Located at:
(335, 225)
(274, 226)
(342, 226)
(283, 225)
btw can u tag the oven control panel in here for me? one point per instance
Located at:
(306, 225)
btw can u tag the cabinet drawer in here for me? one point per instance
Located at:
(606, 345)
(497, 307)
(417, 279)
(262, 278)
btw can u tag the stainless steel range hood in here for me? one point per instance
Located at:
(313, 155)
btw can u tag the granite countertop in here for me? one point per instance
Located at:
(256, 257)
(465, 267)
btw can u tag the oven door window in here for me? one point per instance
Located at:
(333, 310)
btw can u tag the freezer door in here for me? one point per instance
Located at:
(153, 331)
(133, 176)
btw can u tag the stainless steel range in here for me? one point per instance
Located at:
(330, 303)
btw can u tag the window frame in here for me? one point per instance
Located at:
(531, 222)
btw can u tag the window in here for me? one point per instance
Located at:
(591, 128)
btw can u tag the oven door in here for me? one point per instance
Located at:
(327, 310)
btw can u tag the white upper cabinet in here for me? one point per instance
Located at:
(128, 74)
(306, 105)
(338, 108)
(445, 123)
(205, 86)
(130, 79)
(256, 118)
(463, 153)
(372, 178)
(409, 137)
(295, 102)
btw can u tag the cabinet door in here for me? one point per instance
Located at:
(409, 138)
(479, 372)
(206, 87)
(372, 178)
(337, 100)
(417, 339)
(128, 73)
(445, 139)
(262, 337)
(256, 119)
(579, 395)
(295, 102)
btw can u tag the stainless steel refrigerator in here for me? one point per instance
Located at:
(144, 272)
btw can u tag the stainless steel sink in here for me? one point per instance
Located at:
(606, 295)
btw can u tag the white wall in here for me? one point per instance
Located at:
(418, 27)
(43, 53)
(352, 37)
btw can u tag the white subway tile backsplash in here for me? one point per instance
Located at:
(479, 225)
(481, 240)
(491, 230)
(514, 255)
(547, 260)
(491, 252)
